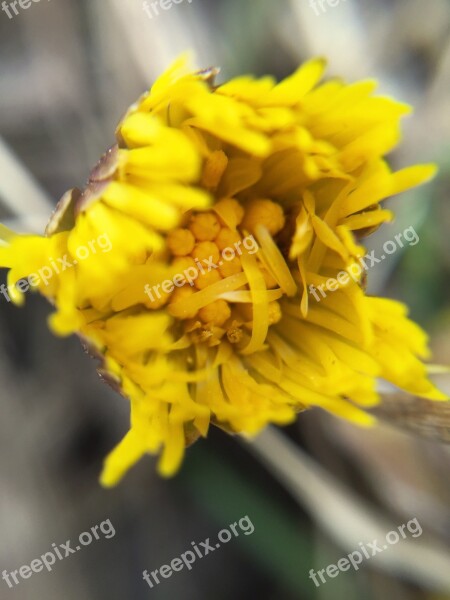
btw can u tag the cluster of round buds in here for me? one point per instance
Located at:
(207, 248)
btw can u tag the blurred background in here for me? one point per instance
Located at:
(313, 491)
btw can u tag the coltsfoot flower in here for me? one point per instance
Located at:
(296, 167)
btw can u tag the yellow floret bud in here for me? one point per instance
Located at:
(274, 312)
(263, 212)
(205, 251)
(204, 226)
(227, 238)
(155, 299)
(180, 242)
(183, 262)
(207, 279)
(230, 212)
(215, 313)
(231, 267)
(246, 311)
(181, 294)
(187, 268)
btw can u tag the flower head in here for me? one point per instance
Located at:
(224, 207)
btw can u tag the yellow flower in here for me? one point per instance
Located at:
(223, 207)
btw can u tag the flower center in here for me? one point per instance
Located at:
(211, 253)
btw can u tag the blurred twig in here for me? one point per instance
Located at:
(19, 191)
(345, 517)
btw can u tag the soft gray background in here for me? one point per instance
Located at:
(68, 71)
